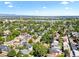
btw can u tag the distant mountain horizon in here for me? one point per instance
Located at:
(14, 16)
(32, 15)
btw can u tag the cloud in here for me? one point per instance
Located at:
(72, 1)
(65, 2)
(68, 8)
(10, 6)
(44, 7)
(7, 2)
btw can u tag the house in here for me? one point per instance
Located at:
(65, 31)
(57, 36)
(24, 51)
(4, 48)
(25, 36)
(7, 32)
(75, 34)
(27, 50)
(74, 45)
(66, 45)
(65, 38)
(55, 43)
(76, 53)
(55, 49)
(30, 48)
(19, 40)
(77, 45)
(6, 21)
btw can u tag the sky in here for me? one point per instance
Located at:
(40, 8)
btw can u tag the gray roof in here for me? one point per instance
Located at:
(25, 51)
(4, 48)
(76, 34)
(55, 50)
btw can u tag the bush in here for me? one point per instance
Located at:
(30, 41)
(61, 55)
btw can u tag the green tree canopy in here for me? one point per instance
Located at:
(39, 50)
(12, 53)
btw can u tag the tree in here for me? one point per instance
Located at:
(12, 53)
(9, 38)
(46, 38)
(1, 39)
(15, 33)
(0, 51)
(67, 52)
(39, 50)
(19, 54)
(30, 41)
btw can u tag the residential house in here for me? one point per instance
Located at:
(75, 34)
(5, 50)
(27, 50)
(7, 32)
(55, 49)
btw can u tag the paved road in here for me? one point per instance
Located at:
(74, 49)
(72, 53)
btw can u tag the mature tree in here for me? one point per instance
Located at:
(12, 53)
(39, 50)
(15, 33)
(19, 54)
(67, 52)
(46, 38)
(1, 39)
(0, 51)
(9, 38)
